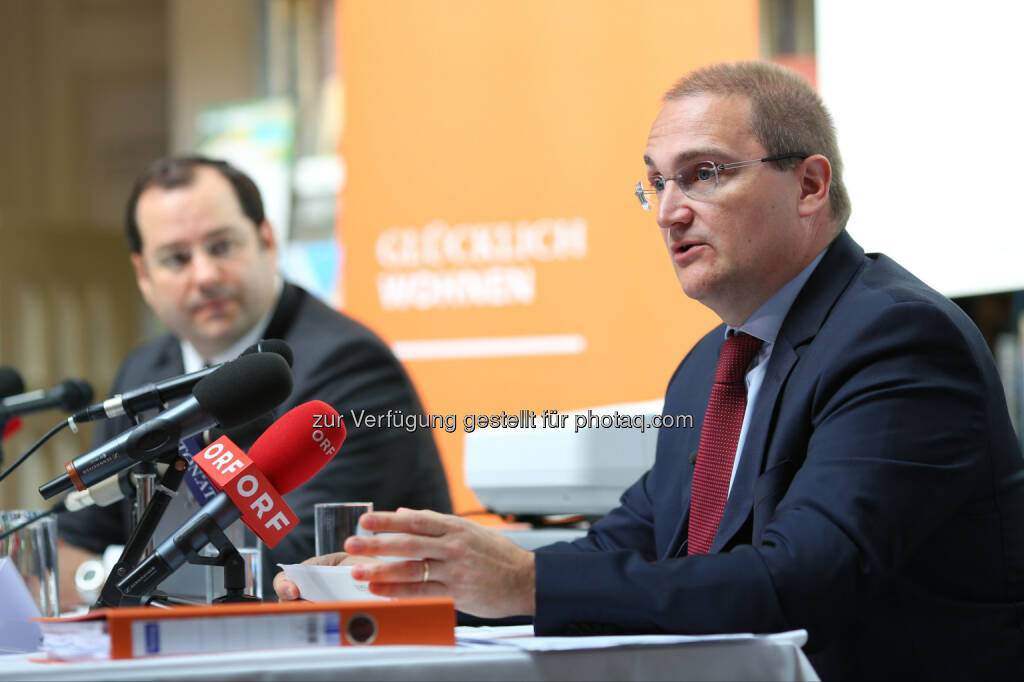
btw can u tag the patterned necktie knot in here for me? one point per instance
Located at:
(737, 352)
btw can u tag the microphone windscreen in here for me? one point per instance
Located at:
(298, 445)
(248, 385)
(243, 435)
(276, 346)
(75, 394)
(10, 382)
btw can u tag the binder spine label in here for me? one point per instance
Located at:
(152, 638)
(227, 633)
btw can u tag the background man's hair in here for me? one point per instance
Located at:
(180, 171)
(786, 115)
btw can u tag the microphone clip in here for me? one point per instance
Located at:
(156, 438)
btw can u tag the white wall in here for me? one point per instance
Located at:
(926, 98)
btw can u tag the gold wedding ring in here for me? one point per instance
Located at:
(426, 570)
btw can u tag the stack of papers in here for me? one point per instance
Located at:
(521, 637)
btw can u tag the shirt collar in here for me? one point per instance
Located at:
(193, 361)
(767, 320)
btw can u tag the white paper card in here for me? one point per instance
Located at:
(328, 583)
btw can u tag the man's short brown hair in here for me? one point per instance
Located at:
(786, 115)
(180, 171)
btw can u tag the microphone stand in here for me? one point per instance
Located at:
(142, 535)
(228, 557)
(144, 591)
(144, 475)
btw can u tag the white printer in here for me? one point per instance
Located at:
(579, 463)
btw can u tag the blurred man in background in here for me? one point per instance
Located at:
(205, 260)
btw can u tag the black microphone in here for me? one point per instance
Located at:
(115, 488)
(158, 394)
(276, 346)
(68, 395)
(105, 493)
(242, 435)
(234, 394)
(692, 457)
(10, 382)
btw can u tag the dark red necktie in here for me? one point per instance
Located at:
(718, 437)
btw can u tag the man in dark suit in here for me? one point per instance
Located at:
(855, 472)
(206, 262)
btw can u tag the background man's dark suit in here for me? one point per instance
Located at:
(339, 361)
(879, 500)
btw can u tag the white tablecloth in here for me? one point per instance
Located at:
(768, 657)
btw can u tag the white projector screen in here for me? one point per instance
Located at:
(926, 98)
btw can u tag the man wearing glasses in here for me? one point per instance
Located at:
(855, 472)
(205, 260)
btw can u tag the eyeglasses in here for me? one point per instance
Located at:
(699, 179)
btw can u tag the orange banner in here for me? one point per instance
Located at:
(488, 223)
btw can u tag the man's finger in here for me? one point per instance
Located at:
(406, 521)
(285, 589)
(401, 545)
(399, 571)
(409, 590)
(335, 559)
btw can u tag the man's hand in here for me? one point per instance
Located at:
(485, 573)
(287, 590)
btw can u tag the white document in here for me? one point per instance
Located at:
(328, 583)
(17, 633)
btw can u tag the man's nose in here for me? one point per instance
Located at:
(205, 268)
(674, 207)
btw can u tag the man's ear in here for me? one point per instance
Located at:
(142, 277)
(815, 180)
(265, 234)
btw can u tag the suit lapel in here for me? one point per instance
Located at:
(805, 317)
(741, 497)
(167, 362)
(284, 313)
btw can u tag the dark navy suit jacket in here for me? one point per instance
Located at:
(878, 503)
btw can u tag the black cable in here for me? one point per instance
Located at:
(38, 444)
(41, 515)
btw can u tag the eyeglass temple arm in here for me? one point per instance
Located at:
(754, 162)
